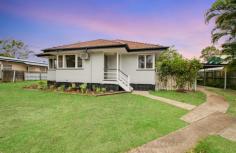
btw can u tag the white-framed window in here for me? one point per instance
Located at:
(145, 61)
(79, 62)
(52, 63)
(70, 61)
(60, 61)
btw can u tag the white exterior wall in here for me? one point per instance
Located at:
(51, 75)
(129, 65)
(92, 71)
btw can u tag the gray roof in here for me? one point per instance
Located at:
(28, 62)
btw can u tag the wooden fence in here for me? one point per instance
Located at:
(170, 84)
(12, 76)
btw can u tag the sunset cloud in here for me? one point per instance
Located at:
(183, 29)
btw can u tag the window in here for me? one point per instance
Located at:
(141, 61)
(70, 61)
(79, 62)
(60, 61)
(149, 61)
(52, 63)
(7, 67)
(145, 61)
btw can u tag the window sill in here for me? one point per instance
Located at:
(145, 69)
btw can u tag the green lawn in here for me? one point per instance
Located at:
(195, 98)
(38, 121)
(230, 96)
(215, 144)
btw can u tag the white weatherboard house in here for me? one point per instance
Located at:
(113, 64)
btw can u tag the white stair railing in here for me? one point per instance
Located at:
(124, 81)
(120, 77)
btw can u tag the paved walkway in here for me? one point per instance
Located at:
(184, 139)
(165, 100)
(215, 103)
(206, 119)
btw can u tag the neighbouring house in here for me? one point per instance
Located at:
(11, 66)
(216, 74)
(112, 64)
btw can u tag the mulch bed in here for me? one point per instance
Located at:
(79, 93)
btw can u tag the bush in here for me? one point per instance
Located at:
(61, 88)
(42, 85)
(51, 87)
(103, 90)
(83, 87)
(69, 88)
(93, 88)
(73, 86)
(98, 90)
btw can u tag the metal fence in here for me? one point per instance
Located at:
(12, 76)
(35, 76)
(217, 79)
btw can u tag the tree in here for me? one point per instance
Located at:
(172, 65)
(14, 48)
(209, 52)
(224, 14)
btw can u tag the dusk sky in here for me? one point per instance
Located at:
(44, 23)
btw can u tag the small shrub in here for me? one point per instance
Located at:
(103, 90)
(42, 85)
(83, 88)
(61, 88)
(93, 87)
(51, 87)
(73, 86)
(69, 89)
(33, 86)
(98, 89)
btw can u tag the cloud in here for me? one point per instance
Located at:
(189, 35)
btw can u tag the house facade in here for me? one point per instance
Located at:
(113, 64)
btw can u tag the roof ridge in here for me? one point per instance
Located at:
(137, 42)
(84, 42)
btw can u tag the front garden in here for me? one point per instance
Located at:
(72, 88)
(38, 121)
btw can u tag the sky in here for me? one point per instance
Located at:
(47, 23)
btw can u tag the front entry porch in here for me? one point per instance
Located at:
(113, 73)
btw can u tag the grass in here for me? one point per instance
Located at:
(195, 98)
(230, 96)
(48, 122)
(215, 144)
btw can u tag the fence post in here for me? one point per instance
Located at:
(225, 79)
(14, 76)
(40, 78)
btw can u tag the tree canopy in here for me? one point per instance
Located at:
(209, 52)
(14, 48)
(223, 13)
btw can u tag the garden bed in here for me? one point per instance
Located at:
(83, 90)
